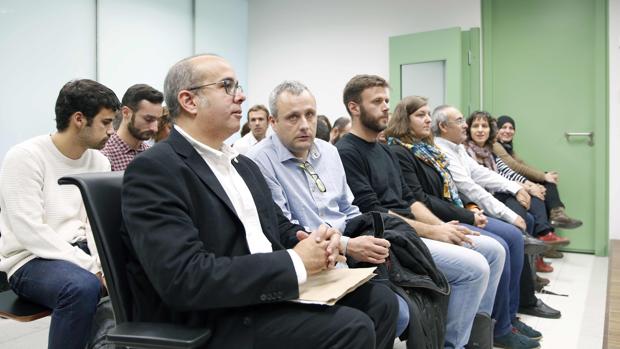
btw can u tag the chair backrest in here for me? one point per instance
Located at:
(101, 193)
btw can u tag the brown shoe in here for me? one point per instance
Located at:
(559, 219)
(553, 253)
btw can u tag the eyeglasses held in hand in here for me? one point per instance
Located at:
(315, 177)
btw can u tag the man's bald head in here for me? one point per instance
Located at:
(184, 74)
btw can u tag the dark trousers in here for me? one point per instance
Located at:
(528, 296)
(552, 197)
(365, 318)
(69, 290)
(537, 209)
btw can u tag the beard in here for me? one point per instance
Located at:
(100, 144)
(136, 133)
(371, 123)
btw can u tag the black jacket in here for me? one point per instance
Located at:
(427, 186)
(413, 275)
(189, 259)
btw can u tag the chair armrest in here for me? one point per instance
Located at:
(158, 335)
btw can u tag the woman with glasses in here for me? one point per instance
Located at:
(425, 169)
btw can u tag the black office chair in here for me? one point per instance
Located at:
(101, 193)
(18, 309)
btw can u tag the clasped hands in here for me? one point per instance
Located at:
(319, 250)
(535, 189)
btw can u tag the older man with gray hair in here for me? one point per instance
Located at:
(473, 180)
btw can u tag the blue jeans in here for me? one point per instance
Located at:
(403, 316)
(507, 297)
(473, 275)
(69, 290)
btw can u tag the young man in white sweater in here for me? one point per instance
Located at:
(45, 247)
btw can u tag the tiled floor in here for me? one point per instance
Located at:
(582, 277)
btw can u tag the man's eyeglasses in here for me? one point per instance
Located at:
(458, 121)
(315, 177)
(231, 87)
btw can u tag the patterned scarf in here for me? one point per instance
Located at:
(481, 154)
(433, 157)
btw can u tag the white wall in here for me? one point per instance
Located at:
(139, 40)
(614, 118)
(324, 43)
(43, 44)
(222, 28)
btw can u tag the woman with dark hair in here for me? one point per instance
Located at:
(425, 169)
(504, 150)
(479, 145)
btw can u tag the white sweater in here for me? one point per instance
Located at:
(39, 217)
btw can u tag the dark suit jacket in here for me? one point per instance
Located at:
(189, 258)
(427, 186)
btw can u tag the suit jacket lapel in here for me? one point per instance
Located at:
(261, 201)
(199, 166)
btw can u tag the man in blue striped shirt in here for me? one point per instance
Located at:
(307, 179)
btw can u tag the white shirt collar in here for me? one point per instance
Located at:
(225, 152)
(446, 143)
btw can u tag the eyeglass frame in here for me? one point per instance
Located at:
(309, 169)
(227, 83)
(458, 121)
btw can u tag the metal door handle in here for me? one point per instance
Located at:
(580, 134)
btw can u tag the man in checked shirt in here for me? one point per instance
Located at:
(141, 110)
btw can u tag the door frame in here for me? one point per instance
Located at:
(438, 45)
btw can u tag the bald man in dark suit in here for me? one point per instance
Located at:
(209, 247)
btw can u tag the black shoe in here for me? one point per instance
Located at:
(541, 310)
(481, 336)
(515, 340)
(526, 330)
(534, 246)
